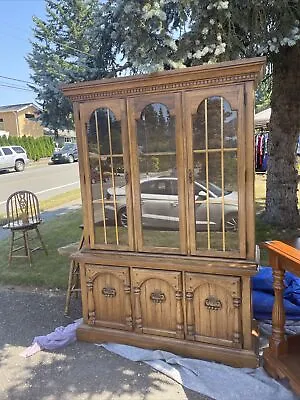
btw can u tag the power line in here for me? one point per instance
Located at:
(61, 44)
(16, 87)
(15, 79)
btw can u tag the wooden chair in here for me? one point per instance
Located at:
(23, 215)
(74, 271)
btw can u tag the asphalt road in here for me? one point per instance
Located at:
(80, 371)
(44, 180)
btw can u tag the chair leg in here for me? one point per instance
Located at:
(41, 240)
(11, 247)
(77, 280)
(27, 248)
(70, 282)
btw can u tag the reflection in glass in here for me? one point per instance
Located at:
(107, 178)
(215, 173)
(158, 177)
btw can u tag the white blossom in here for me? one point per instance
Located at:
(198, 54)
(291, 42)
(222, 5)
(211, 21)
(205, 31)
(220, 49)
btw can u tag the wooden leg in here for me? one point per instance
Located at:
(27, 248)
(70, 281)
(76, 276)
(41, 240)
(278, 344)
(11, 247)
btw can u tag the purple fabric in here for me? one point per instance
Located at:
(61, 337)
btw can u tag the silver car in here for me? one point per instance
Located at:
(13, 157)
(159, 201)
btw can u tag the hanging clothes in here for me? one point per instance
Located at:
(261, 151)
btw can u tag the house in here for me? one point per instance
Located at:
(21, 120)
(62, 136)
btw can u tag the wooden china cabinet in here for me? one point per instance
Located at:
(167, 179)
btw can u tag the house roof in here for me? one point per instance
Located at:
(17, 107)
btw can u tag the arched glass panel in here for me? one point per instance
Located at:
(107, 180)
(156, 138)
(216, 178)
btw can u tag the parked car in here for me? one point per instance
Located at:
(13, 157)
(67, 154)
(159, 200)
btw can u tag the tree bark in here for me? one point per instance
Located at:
(282, 177)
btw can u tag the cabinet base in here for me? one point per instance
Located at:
(230, 356)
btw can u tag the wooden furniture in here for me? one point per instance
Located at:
(74, 273)
(23, 216)
(282, 357)
(166, 167)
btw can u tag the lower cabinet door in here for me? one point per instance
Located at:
(108, 296)
(213, 309)
(158, 306)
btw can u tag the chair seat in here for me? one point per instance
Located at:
(19, 224)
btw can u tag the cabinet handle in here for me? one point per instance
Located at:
(109, 292)
(158, 296)
(190, 176)
(213, 303)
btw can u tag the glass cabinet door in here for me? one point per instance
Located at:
(215, 175)
(156, 140)
(107, 175)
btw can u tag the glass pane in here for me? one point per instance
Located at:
(158, 176)
(215, 173)
(107, 178)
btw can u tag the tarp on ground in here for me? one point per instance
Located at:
(263, 295)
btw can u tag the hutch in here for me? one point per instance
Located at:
(167, 178)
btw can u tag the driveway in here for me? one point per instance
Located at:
(81, 371)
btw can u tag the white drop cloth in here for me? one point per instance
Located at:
(217, 381)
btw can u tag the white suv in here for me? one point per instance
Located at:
(13, 157)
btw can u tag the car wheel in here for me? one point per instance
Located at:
(70, 159)
(122, 217)
(231, 223)
(19, 165)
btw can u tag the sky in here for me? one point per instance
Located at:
(15, 32)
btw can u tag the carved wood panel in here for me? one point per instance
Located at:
(213, 309)
(108, 297)
(158, 302)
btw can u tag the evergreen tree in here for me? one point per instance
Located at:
(64, 50)
(170, 33)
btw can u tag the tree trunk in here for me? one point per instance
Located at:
(281, 197)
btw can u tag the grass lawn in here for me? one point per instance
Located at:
(47, 271)
(52, 271)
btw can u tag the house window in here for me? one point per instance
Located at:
(1, 124)
(29, 116)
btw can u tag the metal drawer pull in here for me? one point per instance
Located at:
(212, 303)
(157, 297)
(109, 292)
